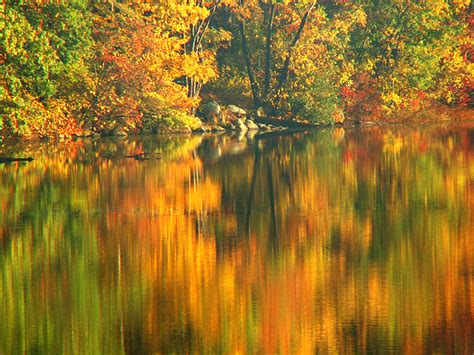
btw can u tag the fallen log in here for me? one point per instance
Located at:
(4, 160)
(144, 156)
(289, 123)
(135, 156)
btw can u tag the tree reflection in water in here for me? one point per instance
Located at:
(333, 241)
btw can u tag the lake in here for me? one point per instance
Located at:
(330, 241)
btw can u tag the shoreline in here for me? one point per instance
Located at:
(10, 148)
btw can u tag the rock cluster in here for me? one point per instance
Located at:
(211, 117)
(233, 118)
(211, 112)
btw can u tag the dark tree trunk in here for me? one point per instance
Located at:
(256, 165)
(268, 52)
(248, 64)
(286, 66)
(271, 192)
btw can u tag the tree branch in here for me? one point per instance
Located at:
(245, 50)
(286, 66)
(266, 87)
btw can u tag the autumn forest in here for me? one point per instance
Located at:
(236, 176)
(93, 67)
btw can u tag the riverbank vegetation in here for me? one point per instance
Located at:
(84, 67)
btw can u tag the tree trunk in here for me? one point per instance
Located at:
(245, 50)
(194, 45)
(286, 66)
(268, 52)
(253, 183)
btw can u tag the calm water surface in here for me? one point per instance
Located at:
(335, 241)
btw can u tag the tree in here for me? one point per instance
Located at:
(411, 51)
(268, 11)
(287, 46)
(43, 50)
(196, 46)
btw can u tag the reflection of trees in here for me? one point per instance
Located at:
(378, 203)
(331, 241)
(51, 257)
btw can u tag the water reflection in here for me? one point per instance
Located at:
(332, 241)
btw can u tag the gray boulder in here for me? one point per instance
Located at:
(217, 128)
(251, 125)
(240, 126)
(202, 129)
(239, 112)
(211, 112)
(261, 112)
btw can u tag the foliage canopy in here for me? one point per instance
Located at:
(84, 66)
